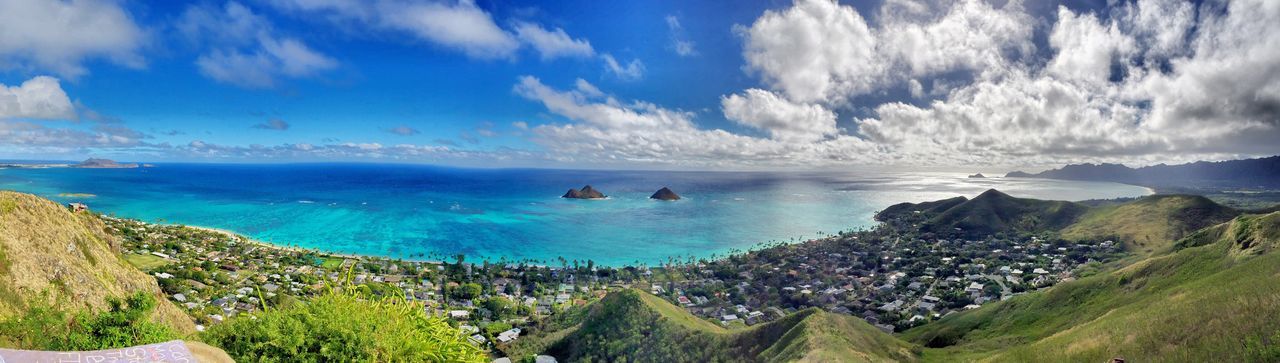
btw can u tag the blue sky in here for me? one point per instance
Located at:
(692, 85)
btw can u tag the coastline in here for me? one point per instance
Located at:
(243, 238)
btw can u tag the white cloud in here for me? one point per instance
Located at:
(40, 97)
(1085, 47)
(633, 70)
(782, 119)
(679, 44)
(461, 25)
(553, 44)
(1219, 97)
(245, 49)
(59, 36)
(815, 50)
(819, 50)
(606, 130)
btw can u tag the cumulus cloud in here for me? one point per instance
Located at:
(245, 50)
(1149, 80)
(814, 50)
(603, 129)
(40, 97)
(58, 36)
(553, 44)
(782, 119)
(1107, 95)
(273, 124)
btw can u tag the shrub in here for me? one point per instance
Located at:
(124, 324)
(342, 327)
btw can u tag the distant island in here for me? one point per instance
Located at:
(664, 194)
(96, 163)
(977, 176)
(587, 192)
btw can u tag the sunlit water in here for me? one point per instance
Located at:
(424, 212)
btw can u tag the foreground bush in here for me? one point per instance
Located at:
(339, 327)
(124, 324)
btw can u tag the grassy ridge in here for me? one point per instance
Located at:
(48, 253)
(642, 327)
(1151, 224)
(1204, 302)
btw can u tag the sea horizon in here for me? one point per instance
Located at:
(432, 212)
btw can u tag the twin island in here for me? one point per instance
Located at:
(587, 192)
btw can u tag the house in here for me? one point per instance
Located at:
(973, 287)
(509, 335)
(459, 314)
(77, 207)
(927, 306)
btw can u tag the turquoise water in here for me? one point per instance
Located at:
(424, 212)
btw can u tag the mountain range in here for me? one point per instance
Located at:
(1230, 173)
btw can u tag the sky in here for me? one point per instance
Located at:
(809, 84)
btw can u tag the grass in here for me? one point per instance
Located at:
(145, 262)
(1149, 225)
(330, 263)
(48, 249)
(643, 327)
(1195, 304)
(678, 315)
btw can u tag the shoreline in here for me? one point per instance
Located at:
(246, 239)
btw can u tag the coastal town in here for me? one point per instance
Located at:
(893, 276)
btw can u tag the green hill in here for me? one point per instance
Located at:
(1213, 299)
(645, 328)
(50, 255)
(989, 213)
(1150, 224)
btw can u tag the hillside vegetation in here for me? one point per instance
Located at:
(1213, 299)
(343, 327)
(988, 213)
(50, 255)
(645, 328)
(1150, 224)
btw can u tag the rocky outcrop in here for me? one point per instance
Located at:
(977, 176)
(587, 192)
(664, 194)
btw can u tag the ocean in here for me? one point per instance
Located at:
(434, 213)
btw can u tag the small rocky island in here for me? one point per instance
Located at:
(664, 194)
(95, 163)
(977, 176)
(586, 192)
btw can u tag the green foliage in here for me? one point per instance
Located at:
(630, 325)
(7, 205)
(124, 324)
(465, 291)
(342, 327)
